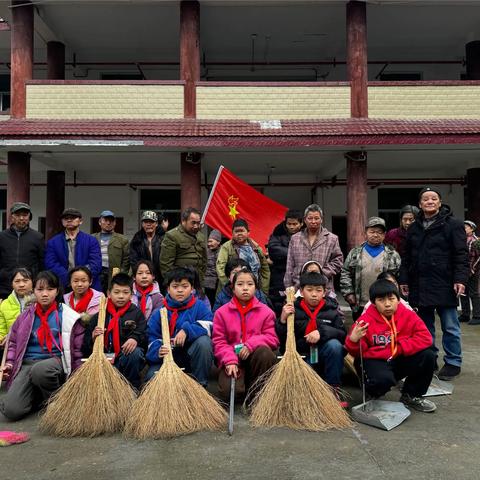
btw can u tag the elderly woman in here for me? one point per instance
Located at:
(315, 242)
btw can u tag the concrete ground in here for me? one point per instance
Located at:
(442, 445)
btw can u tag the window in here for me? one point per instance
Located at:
(4, 93)
(165, 201)
(122, 76)
(391, 200)
(400, 77)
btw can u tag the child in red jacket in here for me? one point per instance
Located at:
(395, 344)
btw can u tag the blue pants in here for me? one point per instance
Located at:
(196, 358)
(131, 365)
(452, 335)
(330, 362)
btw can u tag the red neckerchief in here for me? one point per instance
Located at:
(174, 317)
(143, 293)
(44, 333)
(114, 324)
(82, 304)
(243, 310)
(393, 334)
(312, 323)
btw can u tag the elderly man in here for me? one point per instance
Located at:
(73, 248)
(315, 242)
(114, 248)
(20, 246)
(185, 245)
(434, 273)
(364, 263)
(147, 242)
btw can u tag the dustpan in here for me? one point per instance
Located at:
(439, 387)
(381, 414)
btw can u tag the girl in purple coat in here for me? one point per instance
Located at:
(44, 348)
(244, 337)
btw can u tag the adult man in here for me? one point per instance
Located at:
(185, 245)
(114, 248)
(73, 248)
(242, 246)
(363, 264)
(398, 236)
(434, 273)
(147, 242)
(472, 287)
(20, 246)
(278, 250)
(315, 242)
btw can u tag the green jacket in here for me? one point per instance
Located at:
(227, 251)
(351, 273)
(118, 253)
(180, 249)
(9, 311)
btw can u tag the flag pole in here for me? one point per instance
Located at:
(205, 210)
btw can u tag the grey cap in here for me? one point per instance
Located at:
(17, 206)
(470, 224)
(71, 212)
(215, 235)
(149, 216)
(376, 222)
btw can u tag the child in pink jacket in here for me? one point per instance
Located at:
(244, 337)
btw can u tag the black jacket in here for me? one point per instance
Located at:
(277, 251)
(435, 258)
(139, 251)
(132, 325)
(329, 324)
(26, 250)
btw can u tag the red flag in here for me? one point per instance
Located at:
(232, 198)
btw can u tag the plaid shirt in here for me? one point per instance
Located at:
(325, 250)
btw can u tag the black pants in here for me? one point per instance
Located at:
(381, 376)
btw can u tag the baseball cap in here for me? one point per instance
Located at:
(107, 213)
(149, 215)
(17, 206)
(71, 212)
(376, 222)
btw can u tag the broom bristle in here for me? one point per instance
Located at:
(95, 400)
(173, 404)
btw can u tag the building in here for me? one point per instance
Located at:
(134, 105)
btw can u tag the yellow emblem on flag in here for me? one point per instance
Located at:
(232, 206)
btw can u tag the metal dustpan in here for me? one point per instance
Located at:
(381, 414)
(439, 387)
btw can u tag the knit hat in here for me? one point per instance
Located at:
(215, 235)
(429, 189)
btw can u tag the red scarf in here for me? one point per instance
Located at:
(82, 305)
(114, 324)
(174, 316)
(243, 310)
(312, 323)
(44, 333)
(144, 293)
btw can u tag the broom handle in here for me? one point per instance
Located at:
(290, 292)
(115, 271)
(99, 342)
(166, 333)
(363, 375)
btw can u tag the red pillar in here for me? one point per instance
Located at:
(21, 55)
(55, 60)
(190, 170)
(357, 161)
(18, 178)
(55, 202)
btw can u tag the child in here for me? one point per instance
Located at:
(233, 266)
(243, 336)
(45, 346)
(82, 298)
(146, 292)
(124, 333)
(395, 344)
(14, 304)
(211, 277)
(319, 330)
(190, 323)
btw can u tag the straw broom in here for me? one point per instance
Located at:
(292, 395)
(172, 403)
(95, 400)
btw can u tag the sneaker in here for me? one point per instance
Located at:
(474, 321)
(338, 395)
(418, 403)
(448, 372)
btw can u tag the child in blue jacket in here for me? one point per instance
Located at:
(190, 323)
